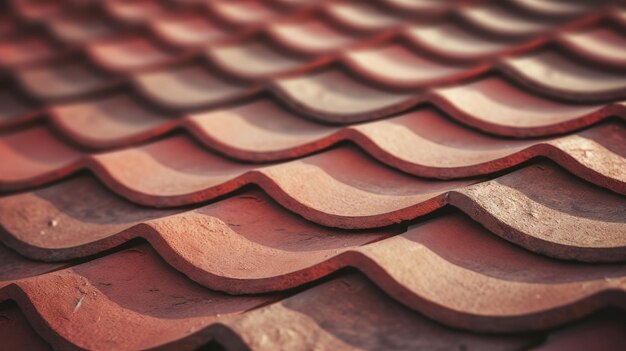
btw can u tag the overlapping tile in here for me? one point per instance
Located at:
(511, 206)
(166, 299)
(555, 292)
(141, 310)
(368, 73)
(596, 154)
(263, 131)
(16, 332)
(235, 76)
(605, 332)
(326, 317)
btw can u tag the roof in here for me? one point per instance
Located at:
(297, 174)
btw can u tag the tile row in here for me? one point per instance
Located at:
(497, 286)
(297, 41)
(373, 15)
(338, 188)
(194, 85)
(262, 131)
(203, 23)
(166, 312)
(491, 104)
(256, 60)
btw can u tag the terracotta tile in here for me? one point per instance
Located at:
(396, 67)
(359, 62)
(263, 131)
(8, 25)
(175, 172)
(346, 313)
(453, 42)
(189, 86)
(192, 241)
(135, 10)
(119, 116)
(362, 16)
(489, 284)
(555, 75)
(171, 180)
(326, 192)
(104, 305)
(33, 163)
(602, 332)
(22, 51)
(15, 267)
(14, 108)
(554, 9)
(600, 43)
(420, 7)
(496, 106)
(497, 20)
(16, 333)
(63, 80)
(548, 202)
(188, 30)
(502, 277)
(243, 12)
(490, 104)
(522, 68)
(129, 54)
(79, 29)
(61, 218)
(336, 97)
(255, 60)
(34, 10)
(310, 36)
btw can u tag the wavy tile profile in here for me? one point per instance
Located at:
(516, 207)
(301, 174)
(262, 131)
(151, 321)
(175, 86)
(161, 306)
(595, 155)
(567, 293)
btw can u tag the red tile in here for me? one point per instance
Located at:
(496, 106)
(555, 75)
(451, 41)
(243, 12)
(497, 20)
(511, 206)
(24, 51)
(268, 81)
(602, 332)
(263, 131)
(129, 54)
(104, 305)
(310, 37)
(190, 86)
(334, 96)
(16, 333)
(63, 80)
(554, 9)
(81, 28)
(602, 44)
(362, 16)
(16, 267)
(256, 60)
(135, 10)
(188, 30)
(345, 313)
(394, 66)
